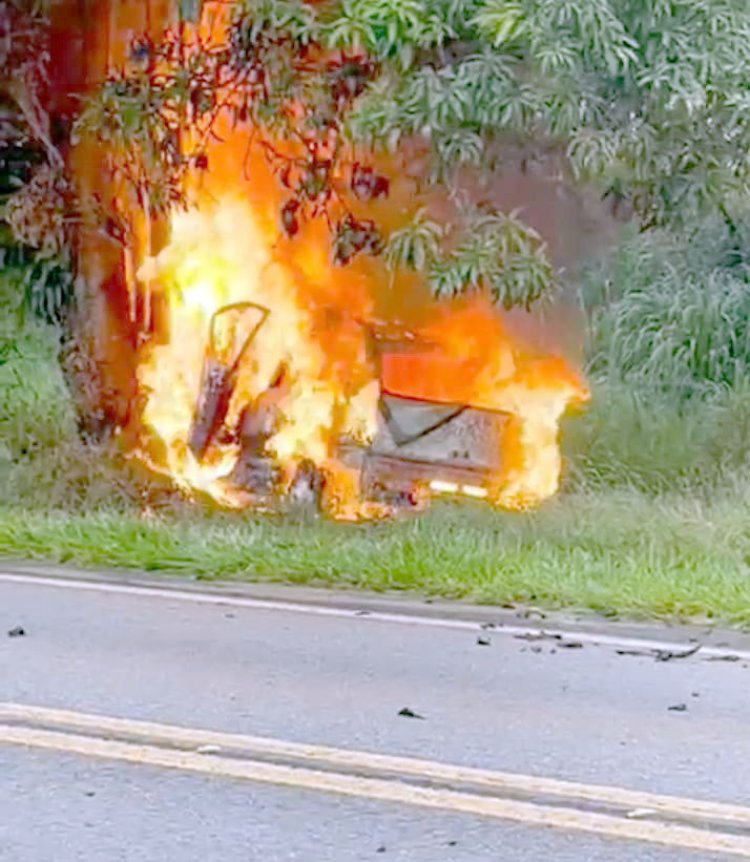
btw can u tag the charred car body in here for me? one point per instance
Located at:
(425, 442)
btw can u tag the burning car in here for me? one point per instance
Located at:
(268, 385)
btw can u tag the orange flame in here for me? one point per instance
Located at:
(297, 312)
(219, 255)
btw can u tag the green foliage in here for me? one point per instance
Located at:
(656, 443)
(278, 78)
(36, 412)
(669, 314)
(646, 99)
(620, 552)
(649, 99)
(494, 251)
(47, 288)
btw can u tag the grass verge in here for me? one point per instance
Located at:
(618, 553)
(652, 522)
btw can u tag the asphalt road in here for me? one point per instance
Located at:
(533, 707)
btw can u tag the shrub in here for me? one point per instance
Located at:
(669, 314)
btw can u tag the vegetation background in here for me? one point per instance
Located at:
(646, 104)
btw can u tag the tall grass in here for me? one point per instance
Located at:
(655, 442)
(668, 353)
(669, 315)
(36, 411)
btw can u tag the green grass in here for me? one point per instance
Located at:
(35, 408)
(652, 520)
(631, 438)
(615, 552)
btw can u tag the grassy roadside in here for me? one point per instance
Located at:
(617, 553)
(652, 521)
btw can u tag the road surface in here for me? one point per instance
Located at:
(158, 724)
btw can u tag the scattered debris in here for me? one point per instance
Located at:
(17, 632)
(538, 636)
(695, 694)
(483, 641)
(409, 713)
(531, 613)
(229, 616)
(677, 707)
(381, 849)
(536, 649)
(90, 793)
(208, 749)
(452, 843)
(728, 657)
(661, 654)
(668, 655)
(362, 613)
(571, 645)
(487, 626)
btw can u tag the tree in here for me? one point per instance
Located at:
(34, 191)
(645, 99)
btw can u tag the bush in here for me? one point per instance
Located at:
(654, 442)
(36, 410)
(669, 314)
(668, 353)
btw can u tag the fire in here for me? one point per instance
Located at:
(219, 261)
(235, 305)
(261, 372)
(480, 363)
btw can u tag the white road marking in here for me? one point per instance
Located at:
(159, 746)
(206, 597)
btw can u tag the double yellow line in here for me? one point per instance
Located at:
(691, 824)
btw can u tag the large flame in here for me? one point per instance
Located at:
(219, 256)
(233, 294)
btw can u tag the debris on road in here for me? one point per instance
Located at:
(409, 713)
(530, 613)
(662, 654)
(668, 655)
(483, 641)
(677, 707)
(17, 632)
(557, 638)
(538, 636)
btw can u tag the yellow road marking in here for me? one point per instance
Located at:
(150, 732)
(143, 748)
